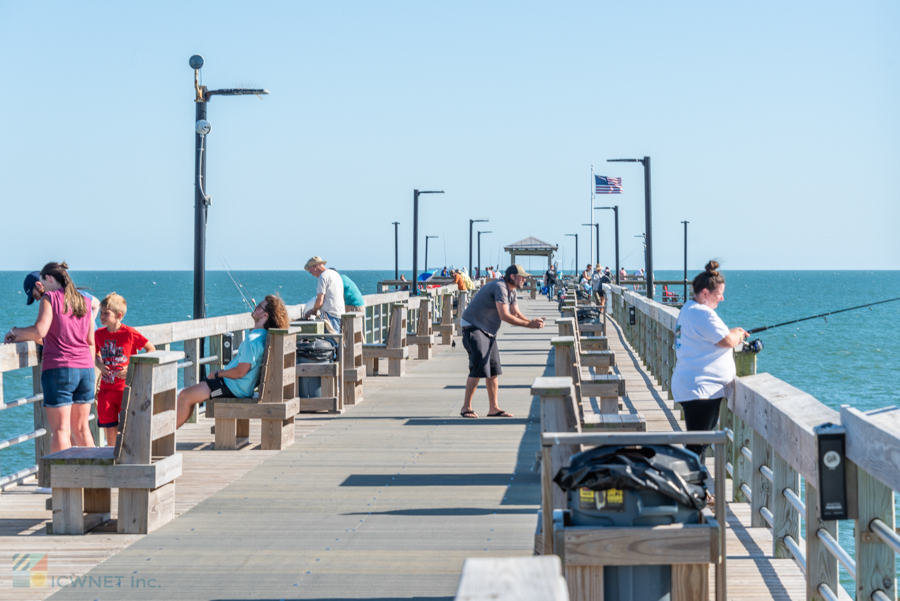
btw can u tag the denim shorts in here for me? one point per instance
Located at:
(66, 385)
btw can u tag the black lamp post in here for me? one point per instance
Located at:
(427, 238)
(479, 248)
(616, 210)
(685, 259)
(471, 221)
(597, 228)
(396, 251)
(415, 273)
(201, 198)
(648, 227)
(576, 255)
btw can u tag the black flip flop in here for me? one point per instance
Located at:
(501, 414)
(468, 415)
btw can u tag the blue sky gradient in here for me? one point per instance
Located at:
(772, 128)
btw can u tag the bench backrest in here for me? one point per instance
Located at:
(397, 329)
(148, 421)
(278, 373)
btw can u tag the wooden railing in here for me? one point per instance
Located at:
(195, 334)
(773, 449)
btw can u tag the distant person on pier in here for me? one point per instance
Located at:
(115, 343)
(240, 377)
(597, 280)
(492, 305)
(550, 281)
(587, 273)
(403, 279)
(623, 275)
(459, 280)
(353, 300)
(704, 370)
(329, 293)
(65, 326)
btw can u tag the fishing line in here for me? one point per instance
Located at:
(778, 325)
(236, 284)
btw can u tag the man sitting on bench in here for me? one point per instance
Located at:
(239, 378)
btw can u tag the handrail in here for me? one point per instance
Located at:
(827, 593)
(23, 401)
(796, 550)
(794, 500)
(887, 535)
(19, 475)
(22, 438)
(767, 515)
(766, 471)
(837, 551)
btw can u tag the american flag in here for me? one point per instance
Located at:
(608, 185)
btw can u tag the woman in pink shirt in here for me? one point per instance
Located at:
(67, 377)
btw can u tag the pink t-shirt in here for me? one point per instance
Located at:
(66, 343)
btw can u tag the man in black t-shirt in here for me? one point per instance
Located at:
(493, 304)
(550, 282)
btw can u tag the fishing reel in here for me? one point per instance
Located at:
(753, 346)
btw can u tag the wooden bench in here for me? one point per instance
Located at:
(512, 579)
(276, 405)
(143, 465)
(424, 336)
(354, 364)
(395, 351)
(568, 361)
(446, 327)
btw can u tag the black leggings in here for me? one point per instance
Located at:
(701, 415)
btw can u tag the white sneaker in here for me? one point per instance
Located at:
(43, 491)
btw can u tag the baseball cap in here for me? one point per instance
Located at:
(517, 270)
(314, 261)
(30, 280)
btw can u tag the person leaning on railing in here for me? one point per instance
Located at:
(65, 326)
(704, 370)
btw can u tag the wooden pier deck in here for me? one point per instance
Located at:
(383, 502)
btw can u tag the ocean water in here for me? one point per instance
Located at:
(849, 358)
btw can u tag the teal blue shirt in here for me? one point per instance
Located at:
(251, 351)
(352, 295)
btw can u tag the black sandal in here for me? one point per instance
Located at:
(468, 415)
(501, 414)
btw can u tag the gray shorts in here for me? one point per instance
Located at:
(484, 356)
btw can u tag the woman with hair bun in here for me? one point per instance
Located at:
(67, 377)
(704, 370)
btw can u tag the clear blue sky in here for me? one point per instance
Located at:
(773, 128)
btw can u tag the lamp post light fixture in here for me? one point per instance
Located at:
(415, 273)
(685, 259)
(616, 210)
(427, 238)
(396, 251)
(202, 200)
(479, 248)
(648, 227)
(576, 255)
(597, 228)
(471, 221)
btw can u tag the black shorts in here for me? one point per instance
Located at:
(218, 388)
(484, 356)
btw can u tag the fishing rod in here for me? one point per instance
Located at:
(755, 346)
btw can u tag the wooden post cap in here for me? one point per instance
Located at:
(158, 357)
(563, 341)
(566, 320)
(552, 387)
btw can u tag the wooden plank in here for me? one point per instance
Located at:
(690, 582)
(785, 417)
(639, 545)
(595, 439)
(821, 565)
(161, 506)
(163, 424)
(276, 434)
(875, 561)
(762, 490)
(226, 434)
(386, 353)
(512, 579)
(68, 510)
(257, 410)
(136, 444)
(785, 517)
(585, 583)
(598, 359)
(117, 476)
(319, 404)
(318, 370)
(873, 442)
(82, 456)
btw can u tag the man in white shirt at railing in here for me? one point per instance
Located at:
(329, 293)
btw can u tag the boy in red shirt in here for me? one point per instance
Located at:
(115, 344)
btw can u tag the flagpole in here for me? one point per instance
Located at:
(592, 212)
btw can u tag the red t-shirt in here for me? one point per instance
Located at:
(115, 348)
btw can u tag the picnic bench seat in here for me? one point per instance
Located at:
(143, 465)
(275, 407)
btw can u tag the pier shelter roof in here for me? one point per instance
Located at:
(531, 246)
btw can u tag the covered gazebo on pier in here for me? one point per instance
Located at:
(531, 246)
